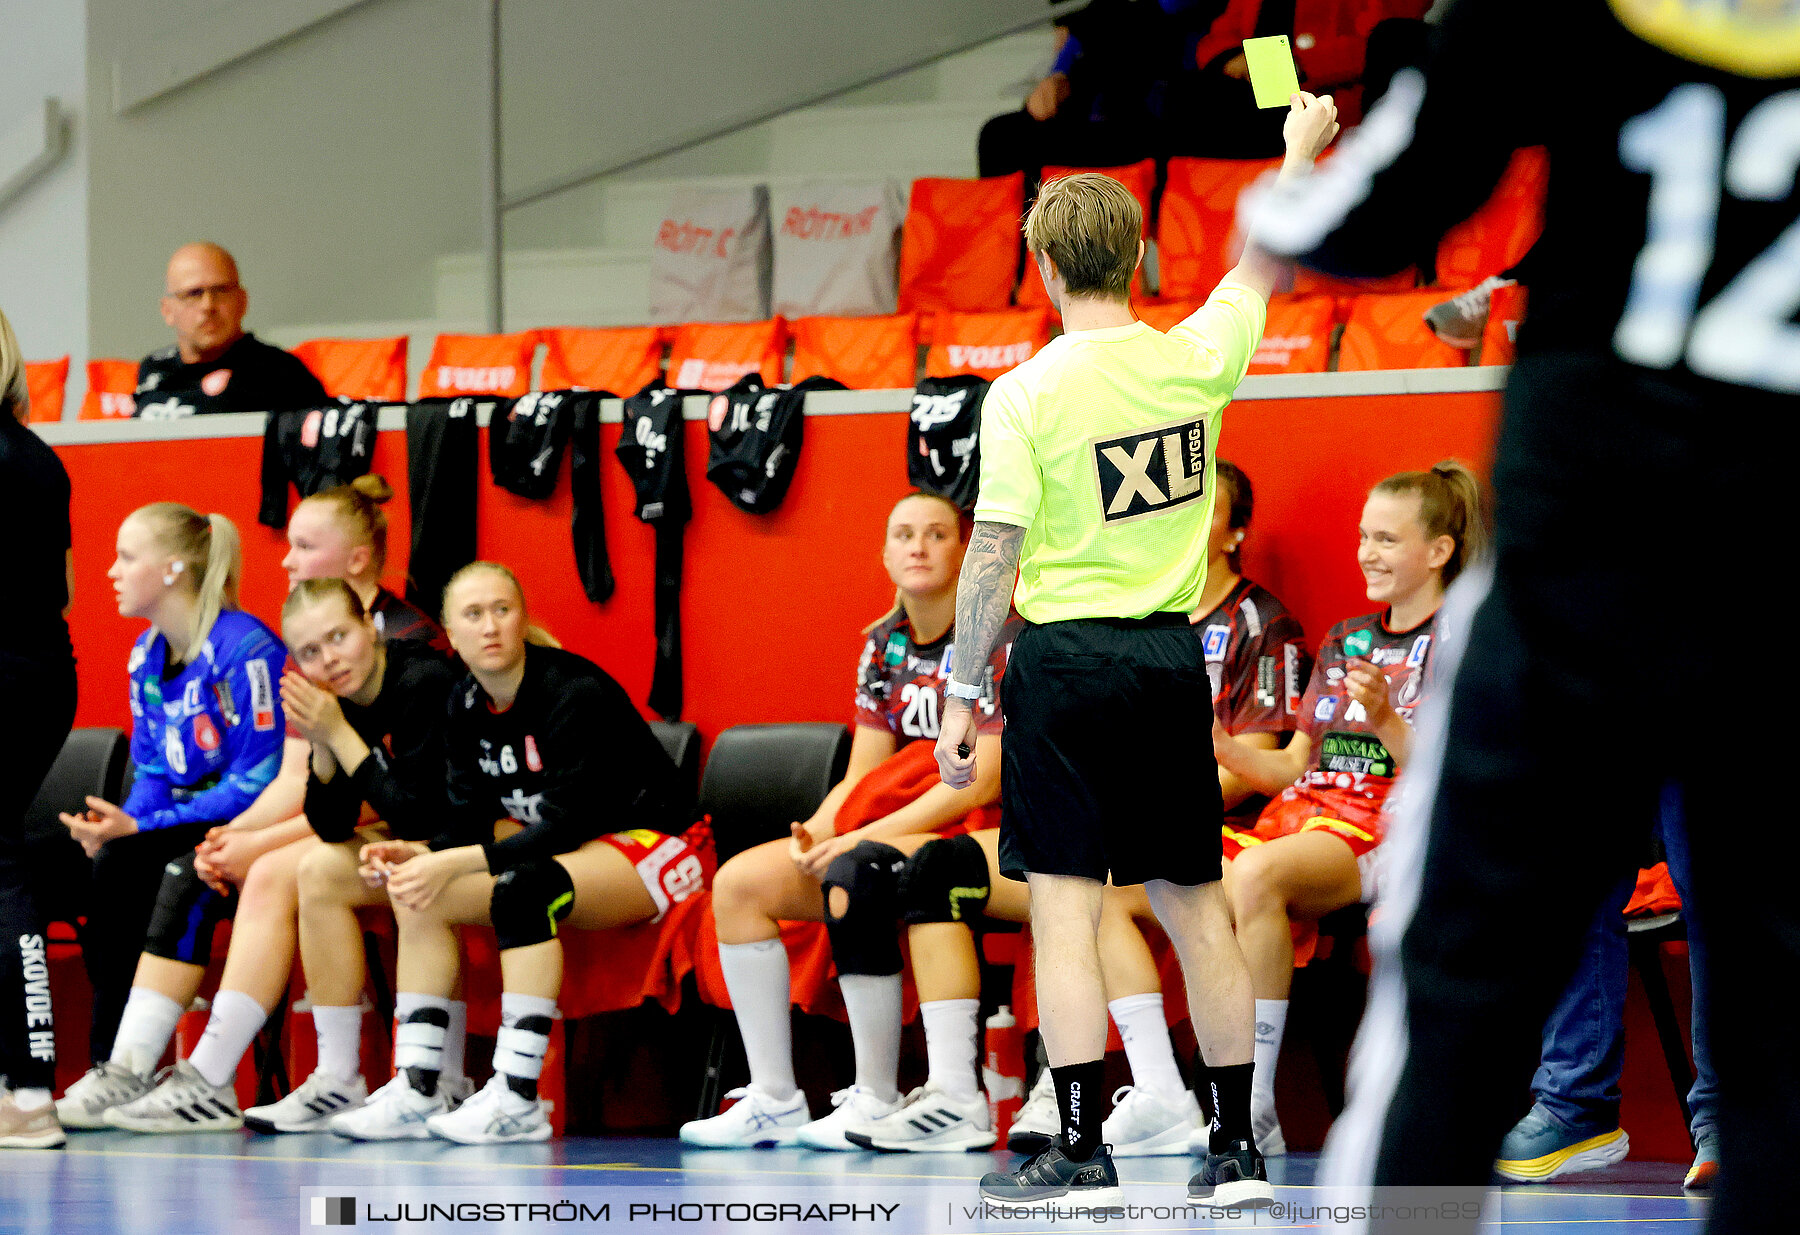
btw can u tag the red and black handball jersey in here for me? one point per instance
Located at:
(1256, 658)
(397, 619)
(900, 682)
(1257, 661)
(1350, 765)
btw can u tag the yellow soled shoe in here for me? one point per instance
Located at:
(1539, 1149)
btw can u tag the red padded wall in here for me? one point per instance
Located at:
(773, 605)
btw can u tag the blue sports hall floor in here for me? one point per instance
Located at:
(122, 1184)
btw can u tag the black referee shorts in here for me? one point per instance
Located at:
(1107, 766)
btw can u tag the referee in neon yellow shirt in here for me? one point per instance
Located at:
(1097, 489)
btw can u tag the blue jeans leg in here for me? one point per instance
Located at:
(1703, 1098)
(1577, 1080)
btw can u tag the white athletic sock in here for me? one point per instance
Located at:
(229, 1031)
(524, 1039)
(950, 1054)
(756, 978)
(1271, 1021)
(873, 1002)
(456, 1039)
(419, 1039)
(145, 1029)
(1145, 1033)
(29, 1099)
(340, 1041)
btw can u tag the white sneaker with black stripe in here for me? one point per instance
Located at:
(183, 1101)
(930, 1121)
(105, 1086)
(307, 1109)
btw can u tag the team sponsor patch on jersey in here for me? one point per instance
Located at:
(227, 706)
(1357, 753)
(531, 754)
(1416, 656)
(206, 737)
(262, 695)
(1214, 642)
(1149, 472)
(1326, 708)
(1756, 38)
(1296, 688)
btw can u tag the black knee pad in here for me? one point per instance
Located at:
(529, 901)
(186, 916)
(946, 880)
(866, 939)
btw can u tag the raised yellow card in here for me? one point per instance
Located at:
(1272, 73)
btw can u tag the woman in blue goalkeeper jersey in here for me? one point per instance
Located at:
(206, 738)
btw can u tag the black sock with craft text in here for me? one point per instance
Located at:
(1078, 1098)
(1231, 1104)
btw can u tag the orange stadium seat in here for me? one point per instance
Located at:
(45, 379)
(986, 344)
(479, 364)
(1140, 178)
(1506, 309)
(1389, 332)
(713, 355)
(959, 248)
(111, 390)
(622, 361)
(1496, 236)
(1297, 338)
(864, 353)
(1194, 231)
(358, 368)
(1164, 314)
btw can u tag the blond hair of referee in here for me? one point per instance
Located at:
(1097, 469)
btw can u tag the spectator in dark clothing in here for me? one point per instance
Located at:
(1102, 103)
(214, 366)
(1136, 79)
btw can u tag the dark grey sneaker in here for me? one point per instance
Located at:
(1051, 1176)
(1234, 1177)
(1460, 320)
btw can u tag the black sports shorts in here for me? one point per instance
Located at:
(1107, 765)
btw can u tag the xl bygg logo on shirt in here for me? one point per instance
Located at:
(1151, 471)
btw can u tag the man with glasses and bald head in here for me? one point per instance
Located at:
(214, 366)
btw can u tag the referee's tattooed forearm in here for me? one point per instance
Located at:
(984, 597)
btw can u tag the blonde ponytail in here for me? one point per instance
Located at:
(224, 569)
(209, 553)
(1450, 504)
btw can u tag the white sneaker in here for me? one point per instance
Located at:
(106, 1085)
(929, 1121)
(1038, 1121)
(756, 1121)
(1147, 1125)
(494, 1116)
(853, 1110)
(308, 1108)
(183, 1101)
(395, 1112)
